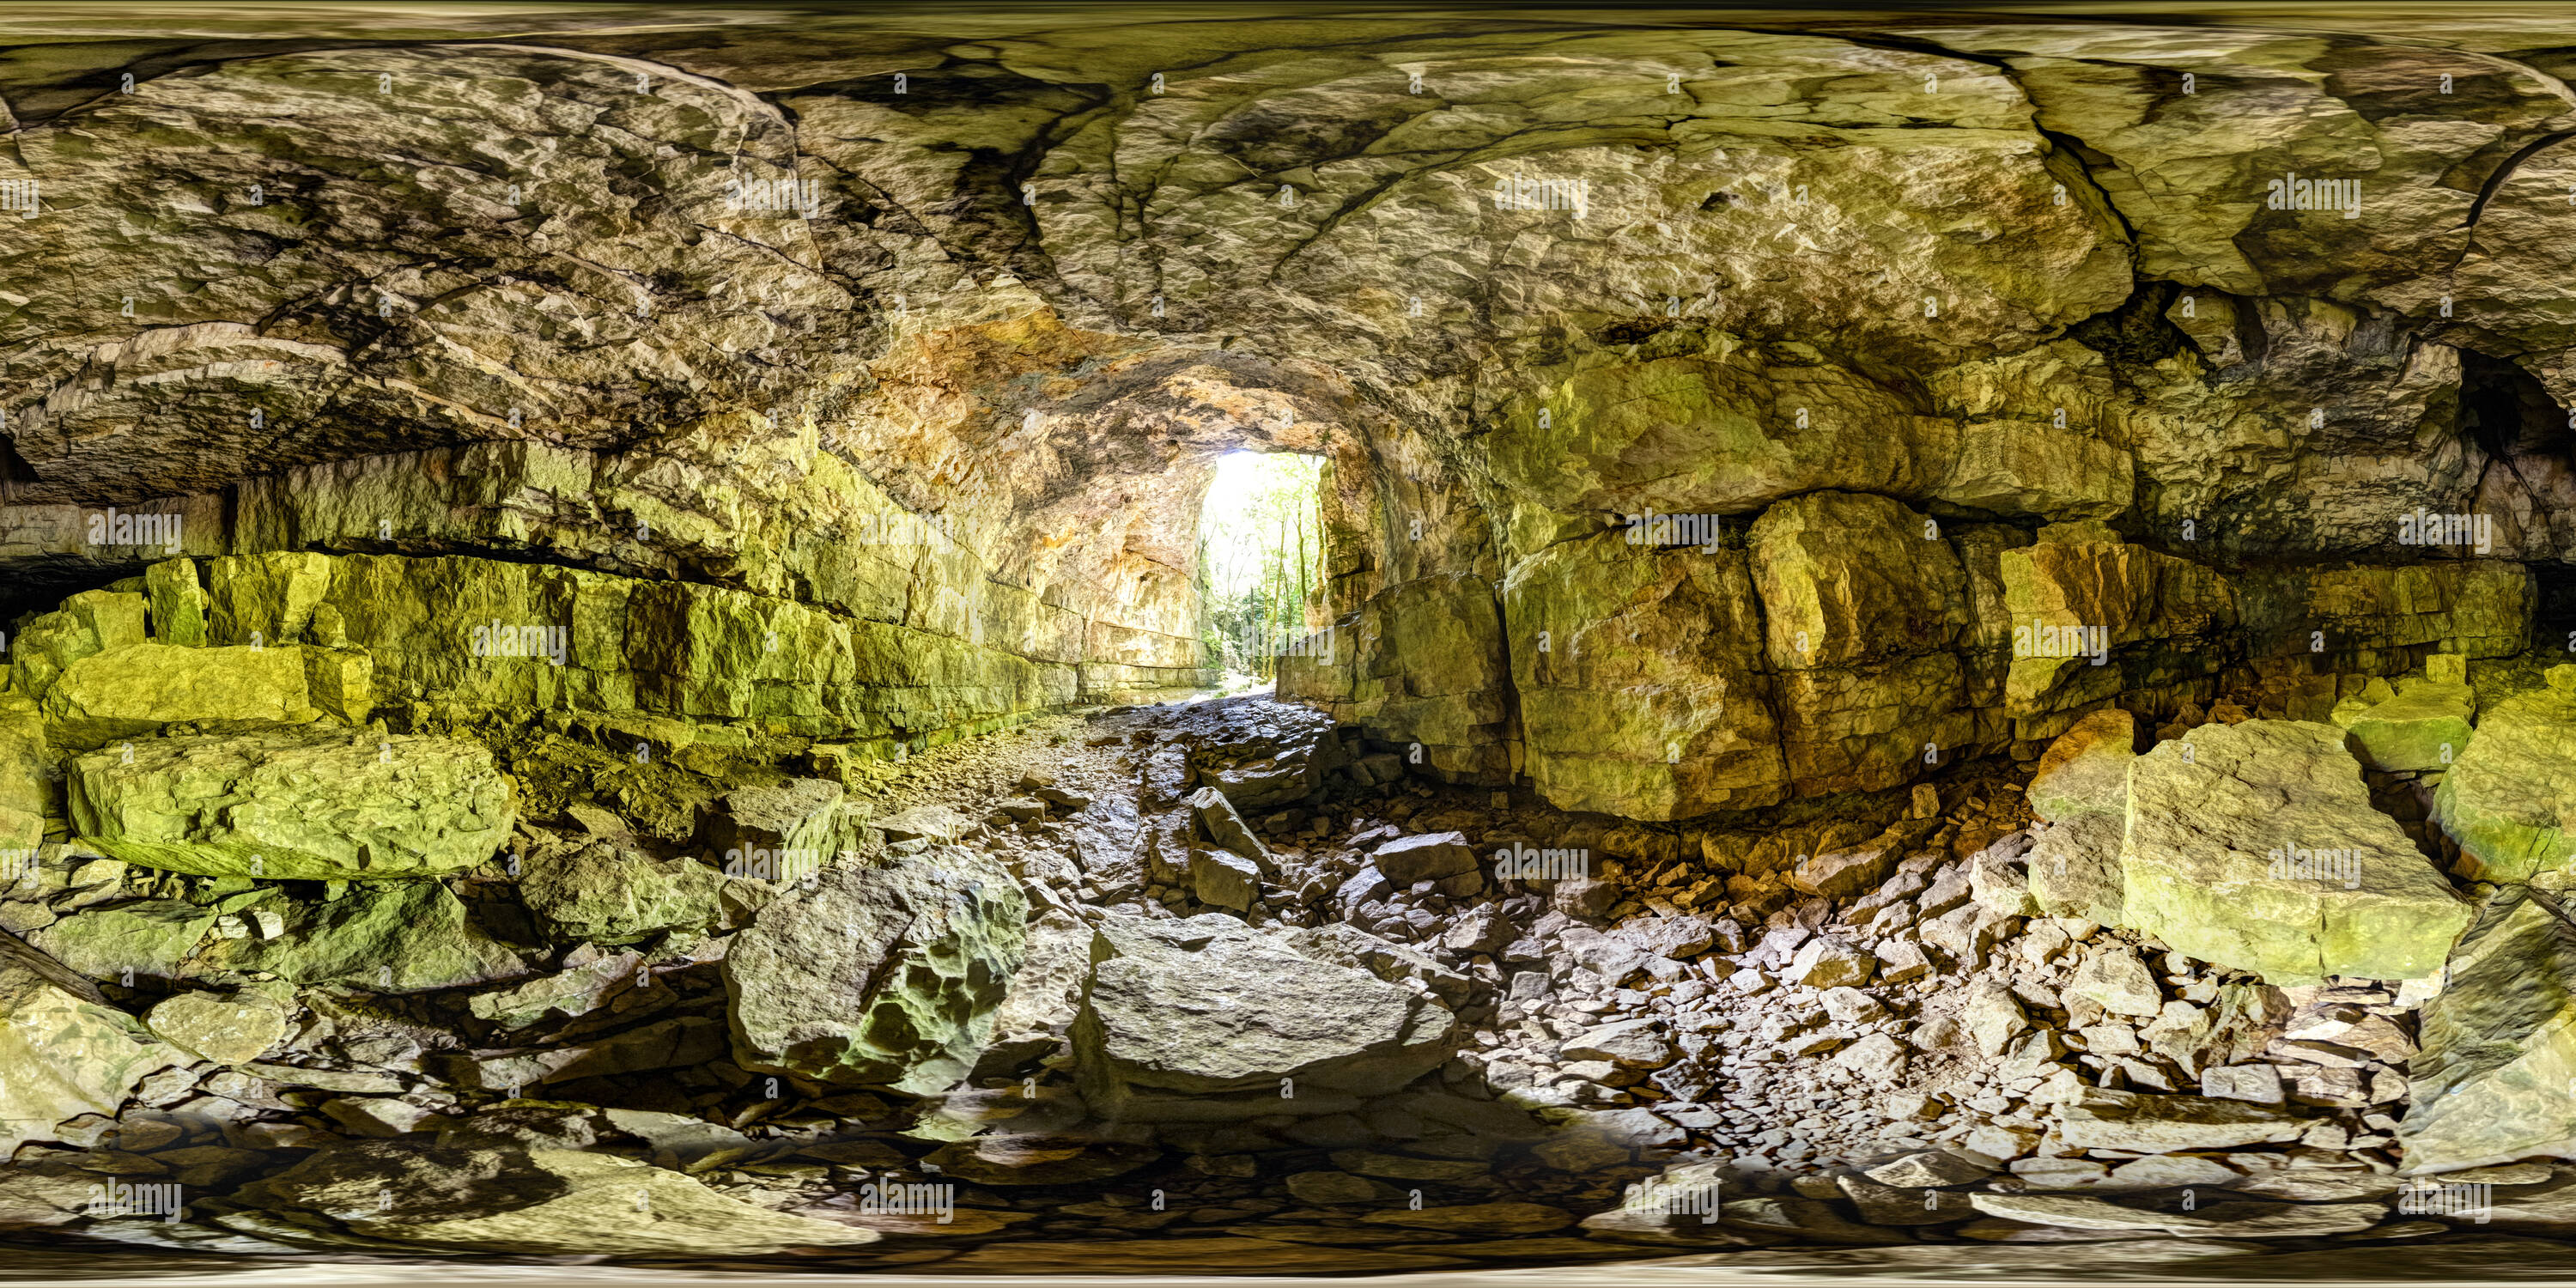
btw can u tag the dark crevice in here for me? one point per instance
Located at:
(2487, 190)
(2137, 334)
(2507, 414)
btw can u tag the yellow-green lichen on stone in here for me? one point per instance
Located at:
(294, 804)
(2255, 846)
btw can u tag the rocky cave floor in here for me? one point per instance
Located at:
(1851, 1017)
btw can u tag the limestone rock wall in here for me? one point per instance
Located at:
(1946, 346)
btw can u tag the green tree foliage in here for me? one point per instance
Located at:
(1261, 557)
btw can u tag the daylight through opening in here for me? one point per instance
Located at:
(1261, 557)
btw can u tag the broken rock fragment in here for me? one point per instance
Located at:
(1208, 1019)
(1431, 857)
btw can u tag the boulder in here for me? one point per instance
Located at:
(1878, 1058)
(232, 1029)
(130, 939)
(1432, 857)
(1677, 937)
(26, 794)
(2510, 799)
(2498, 1045)
(1842, 874)
(2254, 846)
(131, 692)
(1629, 1044)
(389, 937)
(2140, 1123)
(886, 975)
(2424, 729)
(798, 819)
(1223, 879)
(1045, 996)
(1999, 878)
(2075, 868)
(2086, 771)
(64, 1051)
(295, 804)
(1225, 829)
(1826, 962)
(1993, 1017)
(88, 623)
(2113, 978)
(604, 893)
(177, 601)
(1210, 1018)
(551, 1202)
(572, 992)
(925, 823)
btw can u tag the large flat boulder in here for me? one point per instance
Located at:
(560, 1202)
(2255, 846)
(2510, 798)
(2102, 1118)
(1208, 1015)
(64, 1051)
(879, 976)
(2490, 1083)
(295, 804)
(132, 692)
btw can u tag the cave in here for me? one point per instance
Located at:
(1177, 641)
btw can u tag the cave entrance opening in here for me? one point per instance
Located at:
(1261, 561)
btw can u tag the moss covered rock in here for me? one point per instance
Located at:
(390, 937)
(603, 893)
(2509, 800)
(301, 804)
(2255, 846)
(131, 692)
(2424, 728)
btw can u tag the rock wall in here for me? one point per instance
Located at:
(1918, 341)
